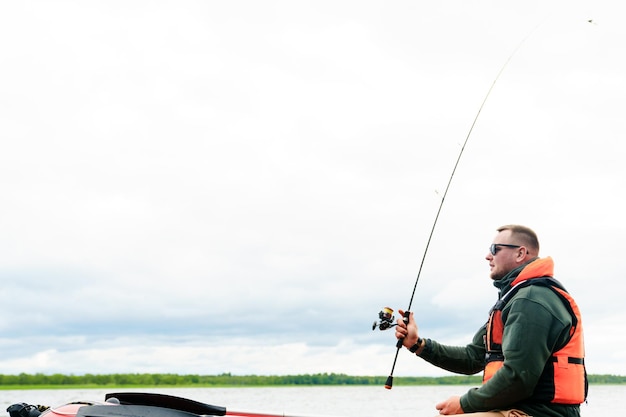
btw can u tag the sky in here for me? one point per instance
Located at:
(208, 187)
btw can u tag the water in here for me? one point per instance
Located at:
(347, 401)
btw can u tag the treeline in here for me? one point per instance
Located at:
(173, 380)
(222, 380)
(228, 380)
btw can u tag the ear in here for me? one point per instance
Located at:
(522, 253)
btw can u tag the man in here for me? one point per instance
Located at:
(530, 350)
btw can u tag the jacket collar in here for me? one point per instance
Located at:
(535, 268)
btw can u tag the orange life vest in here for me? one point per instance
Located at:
(564, 378)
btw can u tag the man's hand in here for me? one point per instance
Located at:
(406, 332)
(450, 406)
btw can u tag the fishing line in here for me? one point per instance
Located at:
(386, 316)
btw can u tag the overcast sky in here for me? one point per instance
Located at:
(211, 186)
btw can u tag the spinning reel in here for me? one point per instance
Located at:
(386, 319)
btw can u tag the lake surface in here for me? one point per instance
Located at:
(347, 401)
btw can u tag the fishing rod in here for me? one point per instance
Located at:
(386, 314)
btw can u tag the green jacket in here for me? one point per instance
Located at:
(535, 323)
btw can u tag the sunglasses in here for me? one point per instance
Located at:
(495, 247)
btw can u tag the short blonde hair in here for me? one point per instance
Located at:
(525, 235)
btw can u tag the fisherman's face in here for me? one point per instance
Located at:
(506, 258)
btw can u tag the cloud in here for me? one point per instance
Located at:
(227, 186)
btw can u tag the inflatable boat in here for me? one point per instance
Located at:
(131, 404)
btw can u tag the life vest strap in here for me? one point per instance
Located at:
(575, 361)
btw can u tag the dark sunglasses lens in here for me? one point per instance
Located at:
(493, 249)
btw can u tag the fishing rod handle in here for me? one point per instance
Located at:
(389, 382)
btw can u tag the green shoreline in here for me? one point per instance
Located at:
(91, 381)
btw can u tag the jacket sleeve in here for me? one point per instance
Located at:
(531, 330)
(465, 360)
